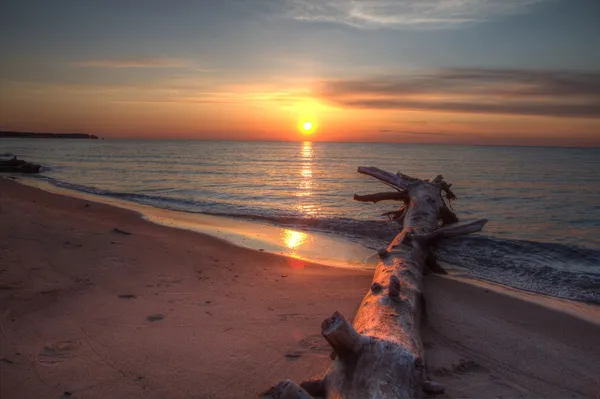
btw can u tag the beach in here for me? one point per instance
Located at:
(96, 302)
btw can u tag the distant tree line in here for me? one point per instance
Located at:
(29, 135)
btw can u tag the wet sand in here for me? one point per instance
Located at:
(97, 303)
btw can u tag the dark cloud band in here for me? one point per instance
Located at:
(493, 91)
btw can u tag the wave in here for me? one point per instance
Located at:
(347, 227)
(565, 271)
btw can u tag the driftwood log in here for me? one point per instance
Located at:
(381, 354)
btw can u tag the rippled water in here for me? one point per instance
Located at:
(543, 203)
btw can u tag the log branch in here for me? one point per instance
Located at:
(340, 334)
(455, 229)
(394, 180)
(386, 196)
(445, 187)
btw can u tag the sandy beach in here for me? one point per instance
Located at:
(97, 303)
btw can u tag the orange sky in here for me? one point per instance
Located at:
(441, 72)
(267, 113)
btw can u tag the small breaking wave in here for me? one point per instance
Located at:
(564, 271)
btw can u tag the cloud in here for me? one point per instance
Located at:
(414, 133)
(427, 14)
(486, 91)
(135, 62)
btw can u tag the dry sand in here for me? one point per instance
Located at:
(89, 312)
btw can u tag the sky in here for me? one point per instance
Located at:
(504, 72)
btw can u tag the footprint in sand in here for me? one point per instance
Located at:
(292, 355)
(464, 366)
(54, 354)
(309, 345)
(155, 317)
(286, 316)
(315, 343)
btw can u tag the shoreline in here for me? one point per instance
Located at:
(310, 246)
(169, 312)
(224, 228)
(307, 246)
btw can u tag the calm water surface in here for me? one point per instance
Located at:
(543, 203)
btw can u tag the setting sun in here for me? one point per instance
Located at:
(307, 127)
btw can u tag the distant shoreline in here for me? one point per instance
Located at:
(31, 135)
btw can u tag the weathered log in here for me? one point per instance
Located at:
(390, 363)
(381, 355)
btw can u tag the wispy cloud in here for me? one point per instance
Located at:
(487, 91)
(428, 14)
(134, 62)
(404, 131)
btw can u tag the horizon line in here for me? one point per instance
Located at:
(301, 141)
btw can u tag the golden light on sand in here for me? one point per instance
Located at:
(293, 239)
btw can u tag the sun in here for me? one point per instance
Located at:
(307, 127)
(307, 122)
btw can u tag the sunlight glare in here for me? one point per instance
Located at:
(307, 118)
(307, 127)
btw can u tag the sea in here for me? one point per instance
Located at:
(543, 203)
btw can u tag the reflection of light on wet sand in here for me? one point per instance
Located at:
(293, 239)
(301, 247)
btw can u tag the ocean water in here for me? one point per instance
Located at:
(543, 203)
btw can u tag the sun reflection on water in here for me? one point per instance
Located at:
(307, 151)
(306, 183)
(307, 155)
